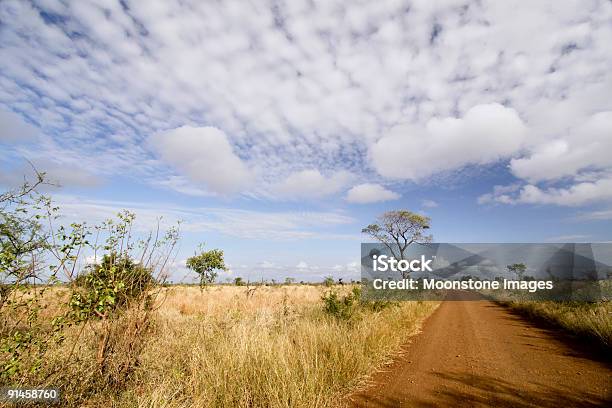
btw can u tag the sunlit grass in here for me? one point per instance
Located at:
(231, 346)
(592, 320)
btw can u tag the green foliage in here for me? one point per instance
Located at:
(348, 306)
(22, 236)
(110, 286)
(518, 269)
(34, 251)
(398, 229)
(328, 281)
(239, 281)
(289, 281)
(23, 241)
(341, 307)
(206, 264)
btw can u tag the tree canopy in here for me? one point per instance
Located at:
(206, 264)
(398, 229)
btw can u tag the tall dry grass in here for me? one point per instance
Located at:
(591, 320)
(230, 346)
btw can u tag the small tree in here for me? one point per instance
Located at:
(23, 239)
(518, 269)
(111, 285)
(328, 281)
(289, 281)
(24, 242)
(206, 264)
(239, 281)
(398, 229)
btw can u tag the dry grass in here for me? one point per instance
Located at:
(592, 320)
(224, 347)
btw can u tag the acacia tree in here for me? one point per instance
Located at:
(518, 269)
(206, 264)
(398, 229)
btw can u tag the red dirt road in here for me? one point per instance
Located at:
(479, 354)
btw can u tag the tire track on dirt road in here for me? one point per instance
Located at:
(479, 354)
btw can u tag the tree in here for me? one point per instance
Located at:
(23, 278)
(239, 281)
(22, 236)
(289, 281)
(518, 269)
(206, 264)
(398, 229)
(34, 250)
(117, 279)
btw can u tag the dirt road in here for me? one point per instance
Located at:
(476, 353)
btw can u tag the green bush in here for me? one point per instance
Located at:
(110, 286)
(206, 264)
(341, 307)
(347, 306)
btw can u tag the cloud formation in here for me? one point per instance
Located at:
(429, 204)
(485, 134)
(14, 129)
(370, 193)
(575, 168)
(584, 147)
(231, 222)
(312, 184)
(370, 89)
(205, 155)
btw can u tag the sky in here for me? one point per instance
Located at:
(276, 130)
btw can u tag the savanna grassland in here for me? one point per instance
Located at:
(231, 346)
(587, 320)
(107, 330)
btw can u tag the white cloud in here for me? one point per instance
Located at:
(573, 195)
(249, 224)
(485, 134)
(577, 194)
(303, 270)
(312, 184)
(182, 185)
(14, 129)
(577, 167)
(353, 267)
(598, 215)
(586, 146)
(370, 193)
(56, 174)
(429, 204)
(267, 265)
(569, 238)
(500, 194)
(205, 155)
(335, 86)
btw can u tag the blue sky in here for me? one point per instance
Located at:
(277, 130)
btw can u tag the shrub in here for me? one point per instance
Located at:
(341, 307)
(110, 286)
(347, 306)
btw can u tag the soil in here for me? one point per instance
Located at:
(479, 354)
